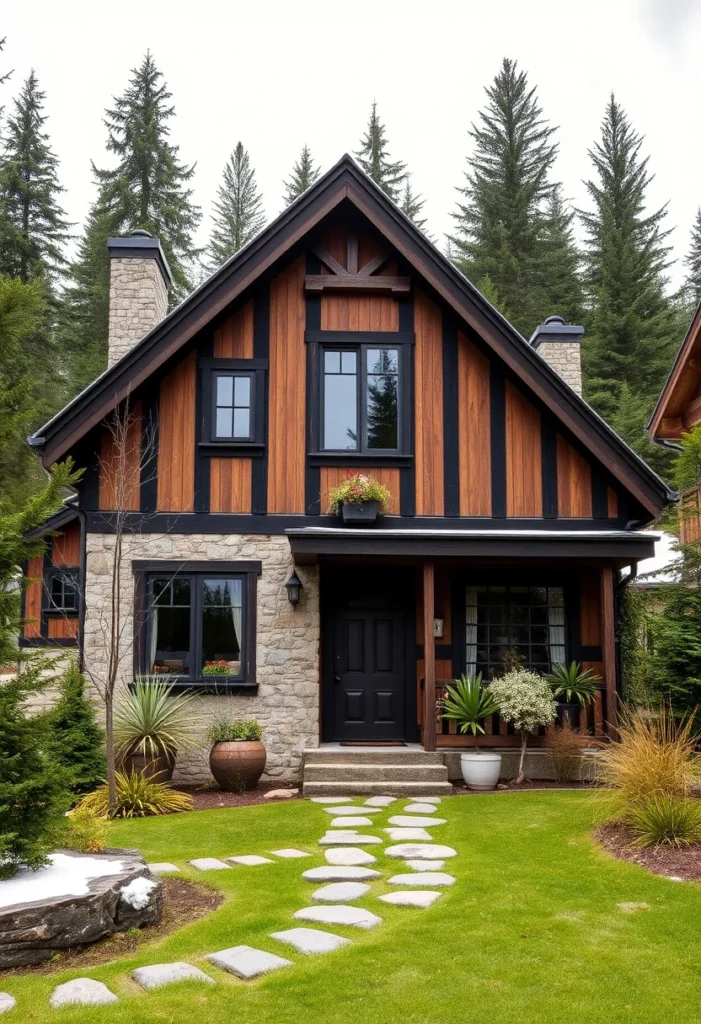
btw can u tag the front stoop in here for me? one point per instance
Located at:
(396, 771)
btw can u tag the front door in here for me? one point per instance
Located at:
(369, 670)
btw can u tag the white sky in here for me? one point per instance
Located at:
(279, 73)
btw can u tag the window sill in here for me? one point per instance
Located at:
(341, 458)
(238, 448)
(205, 685)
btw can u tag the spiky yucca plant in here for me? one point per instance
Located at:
(574, 683)
(467, 702)
(151, 720)
(138, 796)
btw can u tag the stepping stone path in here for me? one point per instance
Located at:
(82, 991)
(415, 898)
(345, 812)
(162, 868)
(430, 799)
(349, 855)
(340, 892)
(353, 917)
(409, 821)
(209, 864)
(357, 821)
(425, 865)
(247, 962)
(340, 874)
(290, 854)
(330, 799)
(420, 809)
(7, 1002)
(250, 860)
(380, 801)
(331, 839)
(167, 974)
(397, 834)
(420, 851)
(423, 878)
(311, 940)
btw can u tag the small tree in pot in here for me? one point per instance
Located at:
(151, 723)
(525, 700)
(574, 687)
(237, 758)
(468, 703)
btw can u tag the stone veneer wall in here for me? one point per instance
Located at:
(138, 301)
(287, 656)
(566, 358)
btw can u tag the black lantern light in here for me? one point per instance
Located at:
(294, 588)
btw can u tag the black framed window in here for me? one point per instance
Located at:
(61, 592)
(232, 413)
(363, 397)
(233, 404)
(527, 620)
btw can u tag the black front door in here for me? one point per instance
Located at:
(369, 670)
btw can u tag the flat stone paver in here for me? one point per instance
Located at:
(250, 860)
(311, 940)
(340, 873)
(167, 974)
(289, 853)
(416, 898)
(380, 801)
(162, 867)
(345, 840)
(7, 1002)
(340, 892)
(425, 865)
(420, 851)
(82, 991)
(330, 799)
(247, 962)
(409, 821)
(209, 864)
(430, 799)
(632, 908)
(344, 812)
(349, 855)
(399, 834)
(420, 809)
(353, 917)
(356, 821)
(423, 878)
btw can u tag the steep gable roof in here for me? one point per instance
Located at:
(346, 182)
(670, 417)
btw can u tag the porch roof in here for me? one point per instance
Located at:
(621, 546)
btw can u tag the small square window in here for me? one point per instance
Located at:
(233, 404)
(62, 593)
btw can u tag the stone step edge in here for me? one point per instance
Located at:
(380, 788)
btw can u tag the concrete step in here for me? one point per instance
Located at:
(338, 772)
(370, 755)
(377, 788)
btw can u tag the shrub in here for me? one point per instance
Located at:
(224, 729)
(575, 684)
(666, 821)
(564, 749)
(77, 740)
(85, 831)
(467, 702)
(151, 720)
(138, 796)
(357, 487)
(526, 701)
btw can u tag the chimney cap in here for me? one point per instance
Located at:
(555, 329)
(141, 244)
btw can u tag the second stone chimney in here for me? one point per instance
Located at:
(139, 282)
(559, 344)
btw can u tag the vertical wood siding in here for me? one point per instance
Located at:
(230, 485)
(331, 476)
(234, 338)
(428, 387)
(524, 484)
(357, 312)
(473, 428)
(176, 438)
(590, 610)
(109, 470)
(287, 404)
(573, 482)
(63, 628)
(33, 595)
(65, 549)
(611, 503)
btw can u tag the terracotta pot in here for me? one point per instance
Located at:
(159, 768)
(238, 764)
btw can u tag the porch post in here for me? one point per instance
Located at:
(429, 735)
(608, 647)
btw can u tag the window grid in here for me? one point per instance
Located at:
(232, 412)
(361, 399)
(527, 620)
(63, 593)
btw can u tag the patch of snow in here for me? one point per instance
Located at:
(138, 893)
(63, 876)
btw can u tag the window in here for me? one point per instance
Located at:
(529, 621)
(62, 593)
(233, 398)
(362, 395)
(233, 404)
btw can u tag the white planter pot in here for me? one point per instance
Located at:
(480, 770)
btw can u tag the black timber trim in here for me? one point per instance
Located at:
(407, 473)
(205, 352)
(451, 463)
(312, 472)
(599, 495)
(184, 565)
(261, 351)
(150, 414)
(497, 415)
(46, 570)
(55, 522)
(348, 458)
(312, 335)
(548, 458)
(48, 643)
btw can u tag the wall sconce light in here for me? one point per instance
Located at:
(294, 588)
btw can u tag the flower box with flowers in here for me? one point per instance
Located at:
(359, 499)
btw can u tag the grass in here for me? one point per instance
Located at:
(530, 932)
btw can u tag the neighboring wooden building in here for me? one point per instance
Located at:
(341, 339)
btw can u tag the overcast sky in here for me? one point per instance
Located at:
(279, 73)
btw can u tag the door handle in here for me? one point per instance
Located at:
(337, 679)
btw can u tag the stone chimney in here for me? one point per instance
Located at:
(559, 344)
(139, 282)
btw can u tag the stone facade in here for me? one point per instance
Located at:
(287, 653)
(138, 301)
(566, 358)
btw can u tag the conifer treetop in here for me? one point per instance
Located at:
(373, 157)
(238, 210)
(304, 174)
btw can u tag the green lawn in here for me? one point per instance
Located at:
(530, 932)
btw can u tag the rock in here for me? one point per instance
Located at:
(349, 855)
(290, 854)
(280, 794)
(354, 917)
(162, 867)
(380, 801)
(344, 812)
(209, 864)
(32, 932)
(423, 878)
(7, 1002)
(330, 799)
(420, 809)
(247, 962)
(84, 991)
(425, 865)
(399, 834)
(166, 974)
(409, 821)
(632, 908)
(674, 878)
(420, 851)
(340, 892)
(348, 873)
(346, 840)
(430, 799)
(311, 940)
(250, 860)
(417, 898)
(358, 822)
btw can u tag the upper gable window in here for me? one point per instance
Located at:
(232, 418)
(361, 398)
(233, 403)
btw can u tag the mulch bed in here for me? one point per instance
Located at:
(206, 799)
(661, 860)
(183, 903)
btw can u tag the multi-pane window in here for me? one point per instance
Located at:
(361, 399)
(232, 420)
(501, 621)
(62, 593)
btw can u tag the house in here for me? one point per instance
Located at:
(514, 506)
(677, 412)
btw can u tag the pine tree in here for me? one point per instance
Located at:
(238, 211)
(373, 157)
(692, 261)
(77, 741)
(561, 260)
(411, 205)
(34, 226)
(304, 174)
(501, 223)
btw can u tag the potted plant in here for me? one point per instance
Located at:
(526, 700)
(237, 757)
(574, 687)
(150, 724)
(469, 703)
(359, 499)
